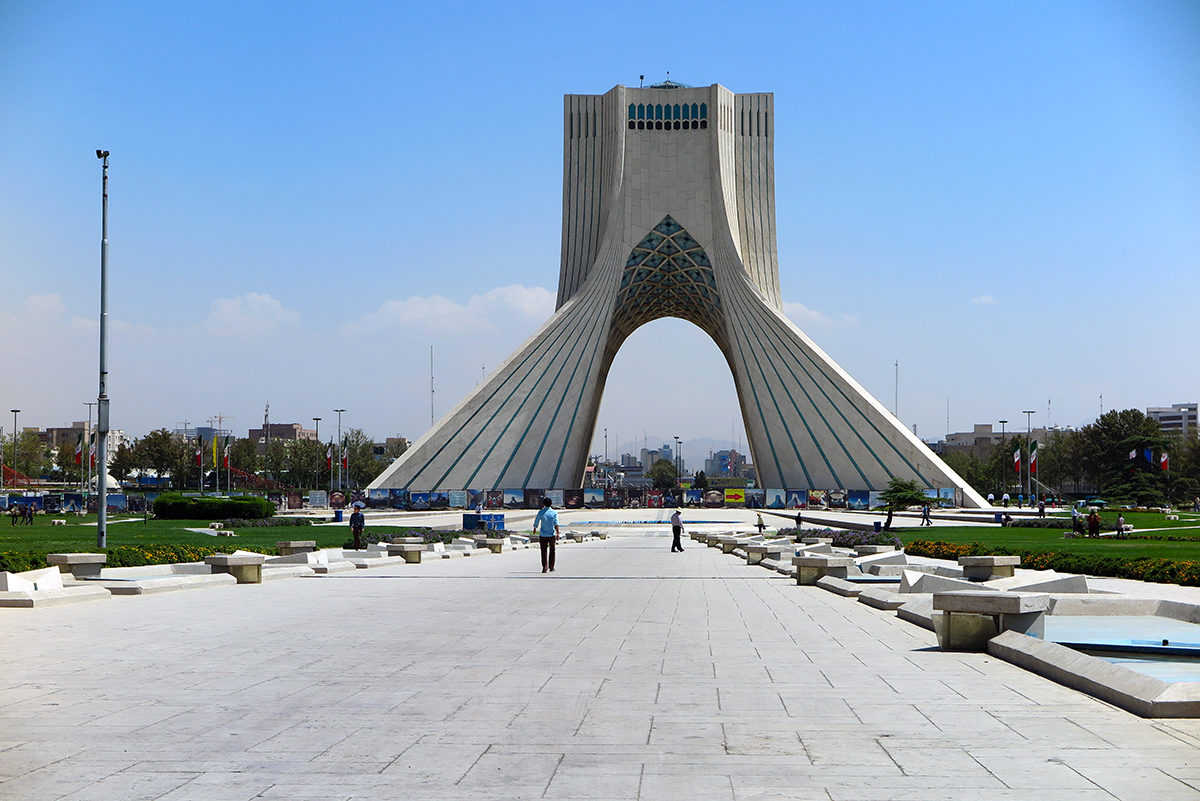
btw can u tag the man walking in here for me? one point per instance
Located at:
(357, 523)
(676, 531)
(546, 524)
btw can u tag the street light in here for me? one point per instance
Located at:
(317, 477)
(339, 448)
(102, 398)
(677, 470)
(1028, 474)
(1004, 445)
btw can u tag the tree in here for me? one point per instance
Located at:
(275, 460)
(33, 459)
(394, 448)
(700, 481)
(361, 461)
(1108, 443)
(972, 469)
(123, 461)
(663, 474)
(157, 451)
(64, 460)
(900, 494)
(243, 455)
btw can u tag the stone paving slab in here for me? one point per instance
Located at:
(629, 673)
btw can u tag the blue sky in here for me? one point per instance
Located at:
(306, 196)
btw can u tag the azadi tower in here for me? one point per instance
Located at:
(669, 211)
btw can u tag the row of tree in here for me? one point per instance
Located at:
(1096, 459)
(289, 463)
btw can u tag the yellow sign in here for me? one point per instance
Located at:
(735, 496)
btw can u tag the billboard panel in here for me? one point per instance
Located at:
(593, 497)
(494, 499)
(573, 499)
(755, 498)
(797, 499)
(458, 499)
(556, 497)
(735, 497)
(775, 499)
(859, 500)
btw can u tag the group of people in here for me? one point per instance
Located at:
(1089, 525)
(20, 514)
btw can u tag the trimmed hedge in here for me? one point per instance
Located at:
(174, 506)
(1185, 572)
(843, 538)
(126, 556)
(269, 522)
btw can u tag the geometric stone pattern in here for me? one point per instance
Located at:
(709, 680)
(674, 222)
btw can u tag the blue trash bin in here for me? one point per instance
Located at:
(337, 515)
(878, 526)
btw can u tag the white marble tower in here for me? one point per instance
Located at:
(669, 211)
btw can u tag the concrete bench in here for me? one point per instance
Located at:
(811, 568)
(964, 620)
(600, 535)
(216, 526)
(986, 568)
(78, 565)
(498, 544)
(756, 552)
(246, 568)
(817, 540)
(868, 550)
(411, 551)
(290, 547)
(58, 522)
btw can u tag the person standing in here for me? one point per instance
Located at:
(1093, 524)
(991, 499)
(546, 524)
(676, 532)
(760, 525)
(1005, 500)
(357, 523)
(925, 521)
(1042, 507)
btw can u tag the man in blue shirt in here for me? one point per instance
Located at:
(546, 525)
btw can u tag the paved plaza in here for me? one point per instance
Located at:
(628, 673)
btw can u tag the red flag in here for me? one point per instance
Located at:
(1017, 460)
(345, 460)
(79, 450)
(199, 454)
(1162, 460)
(92, 450)
(329, 457)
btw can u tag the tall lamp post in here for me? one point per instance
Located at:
(1028, 474)
(1004, 445)
(317, 477)
(102, 399)
(339, 448)
(677, 470)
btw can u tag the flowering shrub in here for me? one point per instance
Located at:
(1185, 572)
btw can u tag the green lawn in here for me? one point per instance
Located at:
(79, 534)
(1051, 539)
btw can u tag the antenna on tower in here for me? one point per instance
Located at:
(267, 424)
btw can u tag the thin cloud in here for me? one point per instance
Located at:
(803, 316)
(441, 313)
(983, 299)
(251, 313)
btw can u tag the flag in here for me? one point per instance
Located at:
(1149, 455)
(225, 460)
(92, 450)
(199, 452)
(345, 460)
(1017, 460)
(1033, 458)
(1163, 462)
(214, 444)
(79, 450)
(329, 457)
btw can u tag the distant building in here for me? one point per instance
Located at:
(983, 439)
(205, 433)
(55, 438)
(727, 463)
(1178, 418)
(392, 445)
